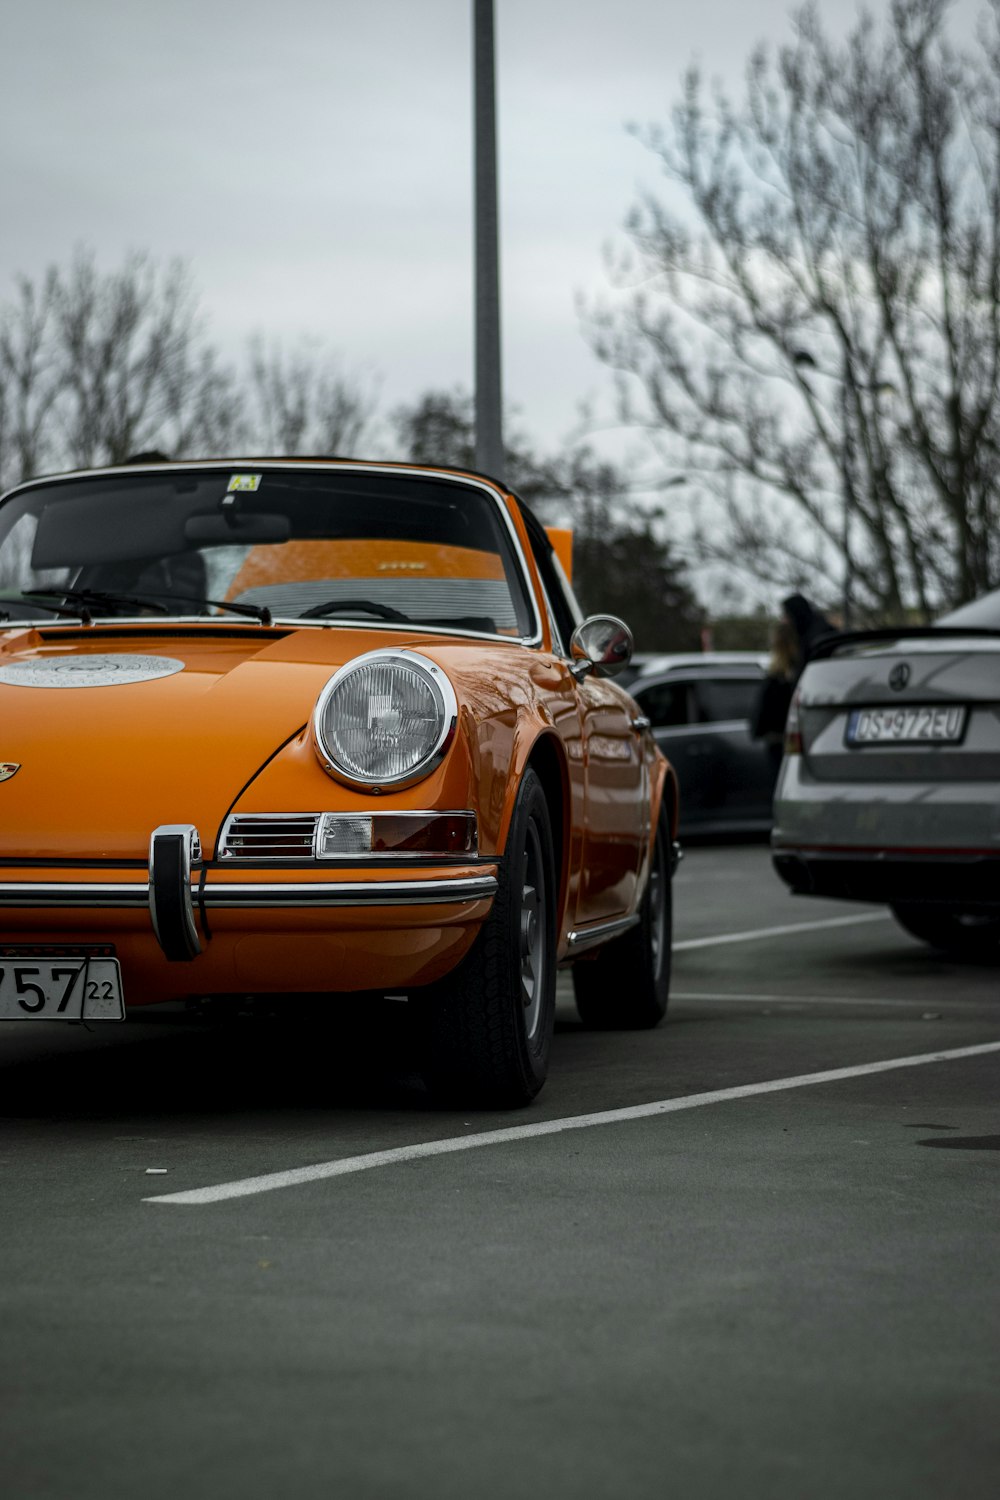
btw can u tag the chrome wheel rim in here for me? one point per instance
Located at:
(532, 934)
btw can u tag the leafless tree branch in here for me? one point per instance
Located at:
(825, 329)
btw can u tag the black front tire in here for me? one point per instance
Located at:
(626, 987)
(969, 934)
(486, 1028)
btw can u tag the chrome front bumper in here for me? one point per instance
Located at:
(135, 894)
(178, 887)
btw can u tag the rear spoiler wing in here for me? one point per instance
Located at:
(857, 638)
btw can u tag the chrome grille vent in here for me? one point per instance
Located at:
(269, 836)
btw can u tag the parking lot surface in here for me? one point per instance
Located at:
(248, 1259)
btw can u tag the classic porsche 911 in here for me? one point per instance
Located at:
(295, 727)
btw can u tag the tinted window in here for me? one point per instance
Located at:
(564, 611)
(664, 704)
(724, 699)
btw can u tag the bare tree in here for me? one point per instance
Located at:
(31, 380)
(95, 366)
(440, 427)
(622, 562)
(818, 342)
(301, 403)
(126, 341)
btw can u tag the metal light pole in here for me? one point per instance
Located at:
(489, 423)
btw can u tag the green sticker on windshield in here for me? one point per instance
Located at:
(244, 482)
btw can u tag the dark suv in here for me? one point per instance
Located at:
(700, 707)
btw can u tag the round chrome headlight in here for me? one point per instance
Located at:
(385, 719)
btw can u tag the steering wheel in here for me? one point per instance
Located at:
(370, 607)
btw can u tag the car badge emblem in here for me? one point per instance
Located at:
(9, 768)
(899, 677)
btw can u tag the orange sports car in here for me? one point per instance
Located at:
(291, 727)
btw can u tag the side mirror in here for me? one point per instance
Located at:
(602, 644)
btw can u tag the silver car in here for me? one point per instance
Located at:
(890, 786)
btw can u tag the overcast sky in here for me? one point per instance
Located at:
(312, 161)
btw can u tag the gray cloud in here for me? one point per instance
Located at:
(312, 161)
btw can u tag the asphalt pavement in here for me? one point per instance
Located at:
(751, 1253)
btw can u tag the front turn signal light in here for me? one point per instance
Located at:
(429, 834)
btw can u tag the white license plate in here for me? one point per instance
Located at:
(39, 987)
(913, 725)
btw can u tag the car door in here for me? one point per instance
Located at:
(739, 770)
(608, 745)
(616, 823)
(668, 704)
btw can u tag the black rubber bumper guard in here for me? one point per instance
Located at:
(174, 850)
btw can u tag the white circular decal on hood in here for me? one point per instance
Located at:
(89, 671)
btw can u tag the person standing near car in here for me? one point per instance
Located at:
(809, 627)
(771, 711)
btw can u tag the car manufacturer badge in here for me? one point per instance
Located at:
(899, 676)
(9, 768)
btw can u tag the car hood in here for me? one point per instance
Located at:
(115, 731)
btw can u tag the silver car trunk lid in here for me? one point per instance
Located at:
(956, 681)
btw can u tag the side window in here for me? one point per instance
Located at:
(16, 571)
(571, 604)
(564, 612)
(724, 699)
(665, 704)
(561, 646)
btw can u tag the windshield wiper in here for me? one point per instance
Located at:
(99, 598)
(252, 611)
(73, 611)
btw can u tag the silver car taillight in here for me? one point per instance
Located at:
(793, 732)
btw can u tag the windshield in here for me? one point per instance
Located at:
(317, 544)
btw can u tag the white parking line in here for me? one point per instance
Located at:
(347, 1165)
(756, 933)
(809, 999)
